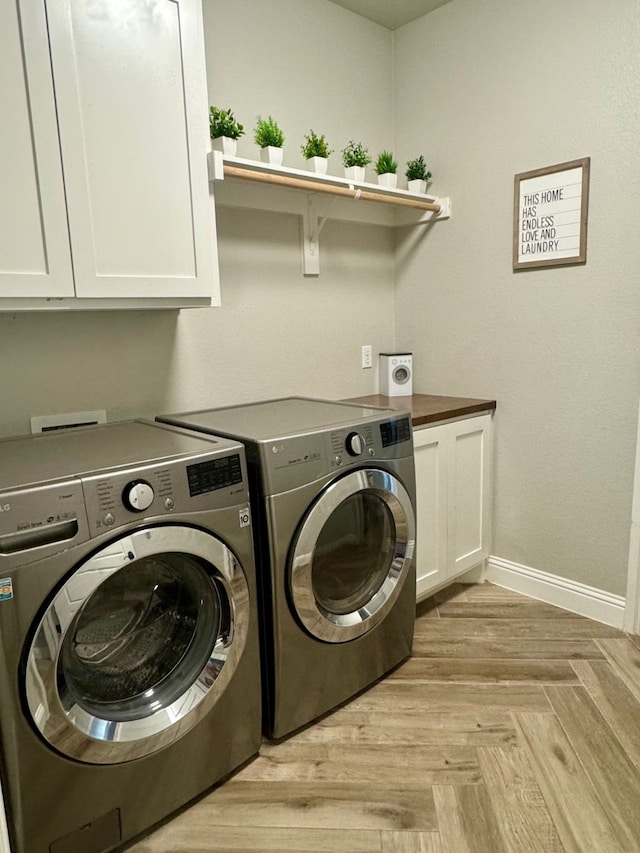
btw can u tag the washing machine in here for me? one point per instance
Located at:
(129, 646)
(333, 498)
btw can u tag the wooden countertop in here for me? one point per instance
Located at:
(427, 408)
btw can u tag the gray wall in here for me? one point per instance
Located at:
(485, 90)
(309, 64)
(489, 90)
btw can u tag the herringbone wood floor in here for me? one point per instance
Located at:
(514, 728)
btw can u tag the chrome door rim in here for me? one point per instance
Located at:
(340, 628)
(79, 734)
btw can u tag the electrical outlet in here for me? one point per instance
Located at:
(367, 357)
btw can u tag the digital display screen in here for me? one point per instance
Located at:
(393, 432)
(214, 474)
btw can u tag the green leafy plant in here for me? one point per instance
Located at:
(417, 170)
(386, 164)
(315, 146)
(268, 133)
(223, 123)
(355, 154)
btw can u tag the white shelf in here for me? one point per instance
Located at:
(262, 186)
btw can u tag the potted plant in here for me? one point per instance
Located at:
(386, 168)
(417, 175)
(355, 158)
(225, 131)
(316, 152)
(269, 138)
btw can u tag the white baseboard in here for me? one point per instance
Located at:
(570, 595)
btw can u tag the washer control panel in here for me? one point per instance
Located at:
(156, 491)
(386, 439)
(352, 445)
(115, 497)
(293, 461)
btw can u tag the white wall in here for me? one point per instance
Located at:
(488, 90)
(308, 63)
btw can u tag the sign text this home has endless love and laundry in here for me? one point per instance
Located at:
(550, 215)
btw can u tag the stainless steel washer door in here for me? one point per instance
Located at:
(352, 555)
(138, 644)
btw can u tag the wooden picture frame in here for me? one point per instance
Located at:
(550, 214)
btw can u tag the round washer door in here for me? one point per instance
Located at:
(138, 644)
(401, 374)
(352, 555)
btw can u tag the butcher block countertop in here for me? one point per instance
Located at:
(427, 408)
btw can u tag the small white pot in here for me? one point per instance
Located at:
(272, 155)
(388, 179)
(226, 144)
(354, 173)
(318, 165)
(417, 186)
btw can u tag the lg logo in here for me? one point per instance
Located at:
(5, 507)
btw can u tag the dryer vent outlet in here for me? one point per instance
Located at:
(50, 423)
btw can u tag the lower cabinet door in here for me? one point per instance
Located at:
(430, 448)
(454, 489)
(469, 498)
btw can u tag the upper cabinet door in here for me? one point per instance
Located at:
(131, 97)
(35, 258)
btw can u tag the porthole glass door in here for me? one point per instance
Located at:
(352, 554)
(138, 644)
(142, 637)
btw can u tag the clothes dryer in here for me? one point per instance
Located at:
(129, 649)
(333, 495)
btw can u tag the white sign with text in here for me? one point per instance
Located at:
(550, 216)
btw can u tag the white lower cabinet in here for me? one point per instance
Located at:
(454, 488)
(106, 200)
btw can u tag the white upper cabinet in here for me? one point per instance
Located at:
(106, 105)
(34, 240)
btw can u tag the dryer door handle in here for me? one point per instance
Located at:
(25, 540)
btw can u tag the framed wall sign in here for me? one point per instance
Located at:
(550, 212)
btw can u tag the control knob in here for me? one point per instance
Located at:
(355, 444)
(137, 495)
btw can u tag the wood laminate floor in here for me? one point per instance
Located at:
(514, 728)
